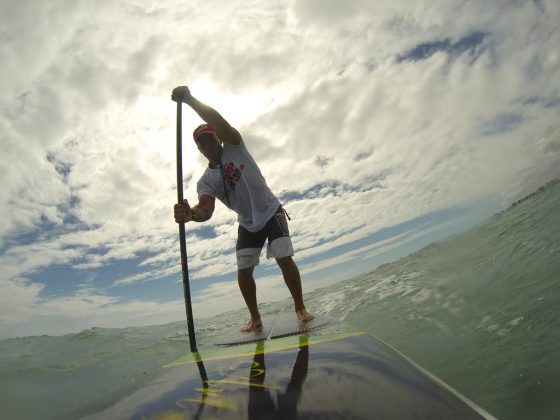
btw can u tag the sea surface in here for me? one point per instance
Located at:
(480, 310)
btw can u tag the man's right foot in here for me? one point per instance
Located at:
(304, 316)
(252, 326)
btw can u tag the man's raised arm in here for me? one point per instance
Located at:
(224, 130)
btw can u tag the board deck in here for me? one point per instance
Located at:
(288, 324)
(282, 325)
(240, 337)
(332, 372)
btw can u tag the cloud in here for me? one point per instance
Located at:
(362, 115)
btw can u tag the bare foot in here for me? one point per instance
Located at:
(252, 325)
(304, 316)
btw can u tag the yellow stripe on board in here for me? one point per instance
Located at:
(271, 346)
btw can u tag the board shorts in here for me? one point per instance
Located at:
(249, 244)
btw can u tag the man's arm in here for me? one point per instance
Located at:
(200, 213)
(224, 130)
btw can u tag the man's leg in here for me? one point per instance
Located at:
(249, 291)
(292, 278)
(248, 250)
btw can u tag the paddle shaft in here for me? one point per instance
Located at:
(182, 237)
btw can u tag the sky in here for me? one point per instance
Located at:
(381, 126)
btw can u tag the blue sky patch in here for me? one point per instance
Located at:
(501, 123)
(553, 102)
(427, 49)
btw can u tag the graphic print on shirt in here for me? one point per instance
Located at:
(232, 175)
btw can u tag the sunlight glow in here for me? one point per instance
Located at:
(238, 109)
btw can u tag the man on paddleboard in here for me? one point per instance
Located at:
(233, 177)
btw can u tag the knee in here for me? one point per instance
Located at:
(285, 262)
(244, 274)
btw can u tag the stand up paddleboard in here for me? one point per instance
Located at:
(333, 371)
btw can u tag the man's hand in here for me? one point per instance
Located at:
(181, 94)
(226, 133)
(182, 212)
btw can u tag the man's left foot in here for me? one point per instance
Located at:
(304, 316)
(252, 326)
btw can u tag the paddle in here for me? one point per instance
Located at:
(182, 239)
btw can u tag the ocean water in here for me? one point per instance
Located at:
(480, 310)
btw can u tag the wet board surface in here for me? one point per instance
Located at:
(239, 337)
(282, 325)
(333, 372)
(289, 324)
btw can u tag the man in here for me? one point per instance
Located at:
(234, 178)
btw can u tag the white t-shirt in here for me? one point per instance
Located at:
(248, 193)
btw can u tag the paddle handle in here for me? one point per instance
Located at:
(182, 234)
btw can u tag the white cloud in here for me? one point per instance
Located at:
(87, 126)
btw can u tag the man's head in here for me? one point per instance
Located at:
(208, 142)
(203, 129)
